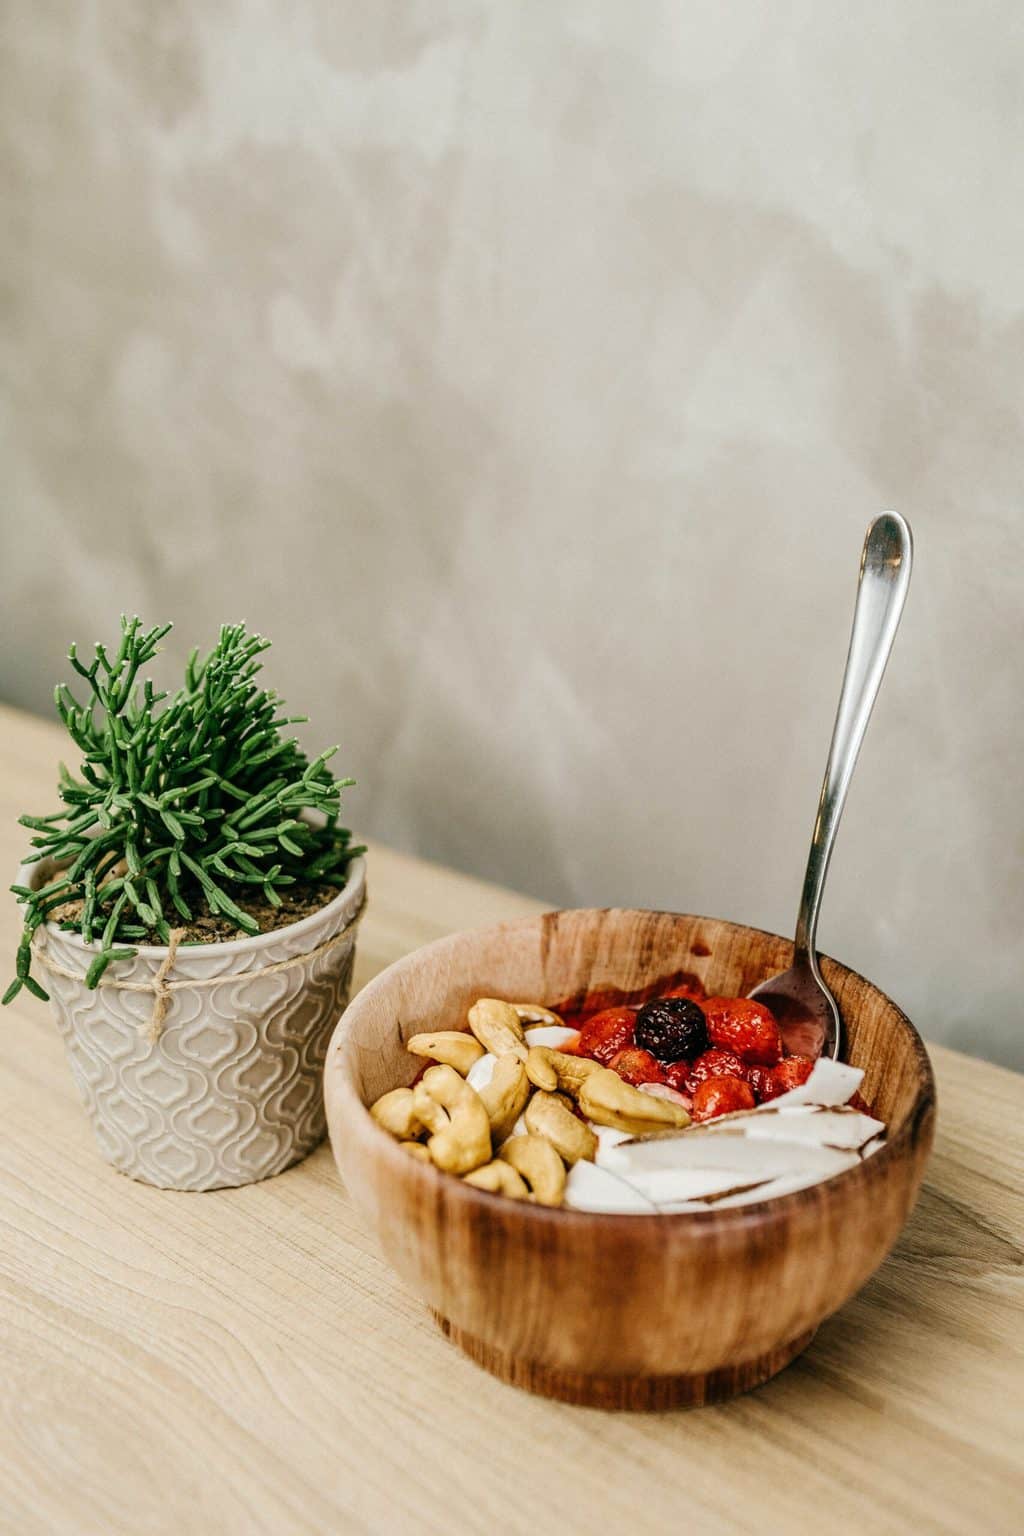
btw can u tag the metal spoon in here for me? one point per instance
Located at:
(805, 1008)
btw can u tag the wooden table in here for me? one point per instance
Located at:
(244, 1361)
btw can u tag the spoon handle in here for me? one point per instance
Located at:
(881, 592)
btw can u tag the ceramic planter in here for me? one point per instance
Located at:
(230, 1090)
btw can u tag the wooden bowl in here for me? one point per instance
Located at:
(621, 1311)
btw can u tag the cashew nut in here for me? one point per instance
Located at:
(497, 1027)
(433, 1117)
(464, 1142)
(533, 1013)
(454, 1047)
(548, 1114)
(415, 1149)
(607, 1100)
(505, 1096)
(540, 1165)
(498, 1178)
(396, 1112)
(553, 1070)
(540, 1070)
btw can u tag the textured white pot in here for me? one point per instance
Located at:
(230, 1092)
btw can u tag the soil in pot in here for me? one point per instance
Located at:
(297, 901)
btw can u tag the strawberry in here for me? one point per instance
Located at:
(762, 1080)
(746, 1028)
(677, 1074)
(606, 1032)
(791, 1073)
(858, 1101)
(636, 1066)
(721, 1096)
(713, 1063)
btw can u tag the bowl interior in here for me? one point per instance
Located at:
(569, 957)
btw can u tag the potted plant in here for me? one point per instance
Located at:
(192, 909)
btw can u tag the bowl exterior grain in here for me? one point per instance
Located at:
(231, 1092)
(621, 1310)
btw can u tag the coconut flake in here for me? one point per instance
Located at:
(734, 1152)
(481, 1072)
(787, 1185)
(831, 1083)
(552, 1035)
(608, 1136)
(664, 1091)
(675, 1186)
(835, 1127)
(591, 1188)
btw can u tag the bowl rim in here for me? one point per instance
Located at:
(733, 1218)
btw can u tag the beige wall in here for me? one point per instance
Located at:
(529, 373)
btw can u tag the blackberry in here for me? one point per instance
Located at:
(671, 1028)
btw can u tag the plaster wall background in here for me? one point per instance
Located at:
(529, 374)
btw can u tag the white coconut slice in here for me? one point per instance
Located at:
(831, 1083)
(836, 1127)
(481, 1072)
(825, 1125)
(663, 1091)
(735, 1153)
(674, 1186)
(552, 1035)
(745, 1195)
(608, 1137)
(590, 1188)
(786, 1185)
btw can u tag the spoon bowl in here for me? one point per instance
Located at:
(807, 1013)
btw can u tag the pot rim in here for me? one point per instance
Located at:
(352, 892)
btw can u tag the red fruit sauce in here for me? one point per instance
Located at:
(744, 1063)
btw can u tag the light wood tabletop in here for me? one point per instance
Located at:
(244, 1361)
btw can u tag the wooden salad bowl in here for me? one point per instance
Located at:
(617, 1311)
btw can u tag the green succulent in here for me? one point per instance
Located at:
(182, 798)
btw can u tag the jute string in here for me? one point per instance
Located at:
(162, 990)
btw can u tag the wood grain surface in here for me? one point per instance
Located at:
(245, 1361)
